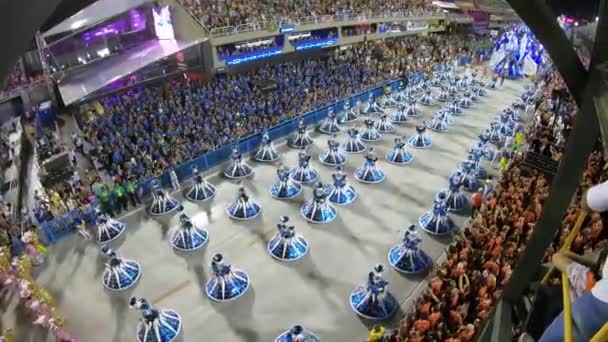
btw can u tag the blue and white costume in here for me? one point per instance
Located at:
(384, 125)
(119, 274)
(370, 133)
(399, 155)
(267, 151)
(243, 207)
(162, 203)
(286, 245)
(369, 171)
(228, 283)
(437, 221)
(341, 192)
(188, 236)
(297, 334)
(238, 168)
(453, 88)
(354, 143)
(455, 199)
(506, 124)
(475, 158)
(318, 209)
(333, 156)
(348, 114)
(399, 116)
(493, 82)
(427, 98)
(377, 106)
(367, 106)
(469, 178)
(505, 59)
(444, 96)
(454, 108)
(463, 84)
(162, 325)
(439, 122)
(304, 173)
(285, 187)
(330, 125)
(406, 257)
(484, 146)
(420, 140)
(201, 190)
(300, 139)
(108, 228)
(412, 109)
(475, 93)
(465, 101)
(372, 299)
(495, 136)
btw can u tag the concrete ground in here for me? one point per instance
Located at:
(313, 291)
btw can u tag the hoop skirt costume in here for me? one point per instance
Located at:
(119, 274)
(304, 173)
(201, 190)
(297, 334)
(162, 203)
(439, 122)
(354, 143)
(341, 192)
(484, 146)
(412, 110)
(455, 199)
(444, 96)
(377, 107)
(420, 140)
(506, 125)
(330, 125)
(493, 83)
(108, 228)
(318, 209)
(348, 114)
(372, 300)
(465, 101)
(406, 257)
(333, 156)
(384, 125)
(238, 169)
(267, 152)
(495, 136)
(367, 106)
(155, 325)
(427, 98)
(399, 116)
(453, 88)
(287, 245)
(437, 221)
(369, 171)
(463, 84)
(285, 187)
(399, 155)
(455, 109)
(188, 237)
(300, 139)
(469, 178)
(243, 207)
(370, 133)
(228, 283)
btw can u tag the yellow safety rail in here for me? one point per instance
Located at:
(601, 335)
(567, 308)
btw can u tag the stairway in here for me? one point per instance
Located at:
(537, 161)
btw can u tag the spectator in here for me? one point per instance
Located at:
(476, 201)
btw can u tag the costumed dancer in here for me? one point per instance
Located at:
(354, 143)
(243, 207)
(463, 84)
(348, 114)
(399, 155)
(412, 110)
(370, 133)
(495, 136)
(469, 178)
(341, 192)
(267, 152)
(155, 325)
(333, 156)
(34, 248)
(475, 93)
(493, 82)
(427, 98)
(162, 202)
(201, 190)
(439, 122)
(108, 228)
(188, 236)
(453, 88)
(420, 140)
(369, 171)
(286, 245)
(465, 101)
(297, 334)
(454, 108)
(506, 125)
(384, 125)
(367, 106)
(318, 209)
(285, 187)
(239, 168)
(330, 125)
(372, 299)
(484, 146)
(406, 257)
(444, 96)
(228, 283)
(475, 157)
(300, 139)
(481, 89)
(377, 107)
(120, 274)
(304, 173)
(437, 221)
(399, 116)
(456, 200)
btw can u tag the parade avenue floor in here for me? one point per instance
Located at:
(313, 291)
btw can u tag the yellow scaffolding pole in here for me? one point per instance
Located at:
(601, 335)
(567, 308)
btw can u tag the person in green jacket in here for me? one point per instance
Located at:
(103, 194)
(120, 196)
(132, 191)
